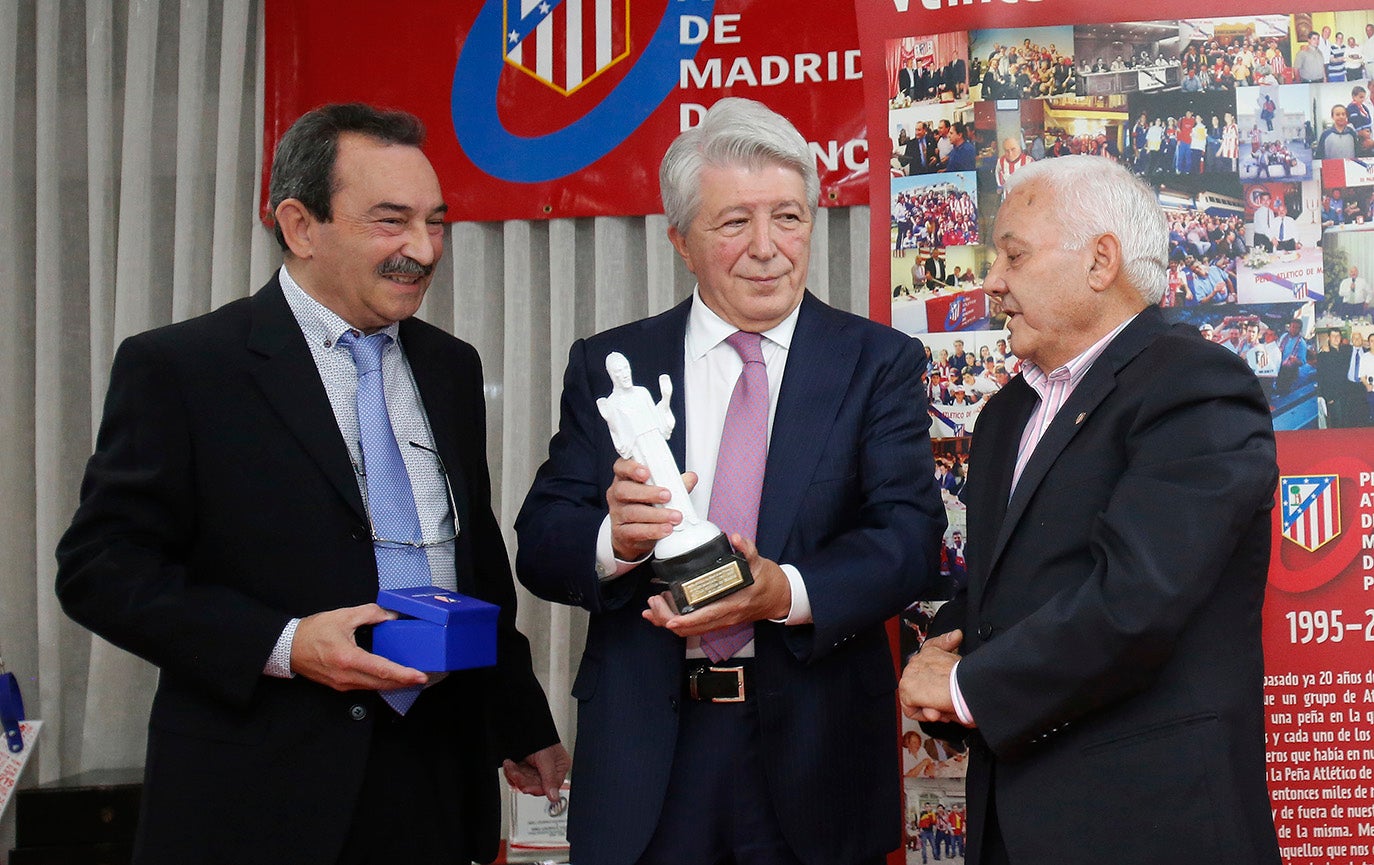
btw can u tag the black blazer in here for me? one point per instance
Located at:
(849, 498)
(1111, 620)
(906, 81)
(220, 502)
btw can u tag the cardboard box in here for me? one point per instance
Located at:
(438, 631)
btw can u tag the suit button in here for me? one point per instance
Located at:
(984, 630)
(672, 701)
(359, 534)
(357, 711)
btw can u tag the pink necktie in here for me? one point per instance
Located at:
(739, 472)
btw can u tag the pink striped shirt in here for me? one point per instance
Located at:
(1054, 389)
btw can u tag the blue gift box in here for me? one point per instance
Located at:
(438, 630)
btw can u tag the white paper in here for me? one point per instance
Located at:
(538, 824)
(12, 765)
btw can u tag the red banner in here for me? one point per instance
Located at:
(565, 108)
(955, 312)
(1241, 135)
(1319, 641)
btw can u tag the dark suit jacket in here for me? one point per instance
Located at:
(918, 154)
(958, 74)
(906, 81)
(1111, 620)
(848, 497)
(220, 502)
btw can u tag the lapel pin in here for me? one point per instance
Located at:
(1078, 420)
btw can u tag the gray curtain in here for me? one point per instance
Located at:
(130, 131)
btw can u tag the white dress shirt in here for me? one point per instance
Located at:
(1361, 365)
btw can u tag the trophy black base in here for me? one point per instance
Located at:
(703, 575)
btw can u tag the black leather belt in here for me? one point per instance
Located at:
(727, 682)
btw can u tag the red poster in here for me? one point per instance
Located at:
(564, 109)
(966, 91)
(1319, 648)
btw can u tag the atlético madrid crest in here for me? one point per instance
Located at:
(1311, 508)
(566, 43)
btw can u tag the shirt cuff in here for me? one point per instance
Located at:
(279, 664)
(800, 613)
(608, 567)
(956, 697)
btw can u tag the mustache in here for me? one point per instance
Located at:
(400, 265)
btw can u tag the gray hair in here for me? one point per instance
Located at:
(303, 165)
(735, 132)
(1096, 196)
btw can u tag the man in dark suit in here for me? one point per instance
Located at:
(224, 535)
(1332, 364)
(956, 79)
(785, 751)
(935, 266)
(919, 151)
(1119, 505)
(907, 76)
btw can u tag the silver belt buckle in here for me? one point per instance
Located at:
(739, 684)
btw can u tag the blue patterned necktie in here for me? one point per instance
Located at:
(390, 499)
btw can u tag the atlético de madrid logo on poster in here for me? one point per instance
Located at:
(564, 45)
(1311, 509)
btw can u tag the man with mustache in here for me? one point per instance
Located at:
(259, 472)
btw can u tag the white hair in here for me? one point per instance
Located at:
(1096, 196)
(734, 132)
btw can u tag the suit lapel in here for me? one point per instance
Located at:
(1090, 392)
(287, 376)
(1074, 416)
(820, 365)
(996, 439)
(441, 406)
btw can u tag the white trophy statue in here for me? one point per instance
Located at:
(696, 563)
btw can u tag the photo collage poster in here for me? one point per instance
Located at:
(1253, 132)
